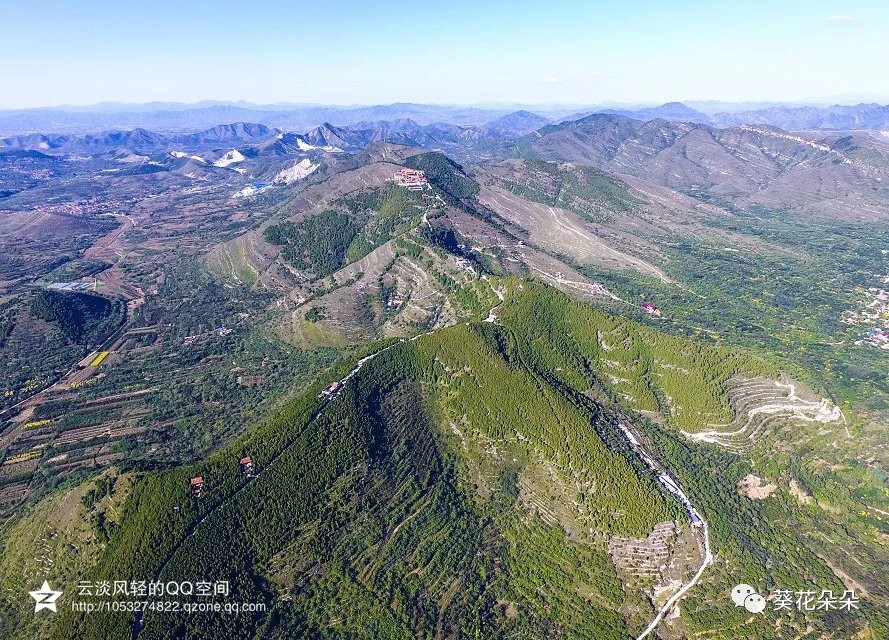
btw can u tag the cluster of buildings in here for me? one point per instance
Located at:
(196, 484)
(876, 338)
(81, 207)
(875, 313)
(651, 309)
(187, 341)
(412, 179)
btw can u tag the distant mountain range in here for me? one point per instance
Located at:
(140, 139)
(173, 119)
(836, 118)
(265, 141)
(228, 133)
(674, 146)
(169, 120)
(862, 117)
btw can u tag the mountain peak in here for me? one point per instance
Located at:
(517, 123)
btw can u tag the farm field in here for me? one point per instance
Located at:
(136, 398)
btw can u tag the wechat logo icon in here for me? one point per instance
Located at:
(745, 596)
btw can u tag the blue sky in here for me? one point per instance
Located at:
(457, 52)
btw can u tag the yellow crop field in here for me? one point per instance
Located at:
(37, 423)
(23, 457)
(99, 358)
(85, 383)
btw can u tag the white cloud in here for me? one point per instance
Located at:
(550, 80)
(841, 18)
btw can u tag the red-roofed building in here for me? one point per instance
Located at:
(412, 179)
(331, 389)
(247, 466)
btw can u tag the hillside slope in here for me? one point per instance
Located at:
(468, 483)
(833, 176)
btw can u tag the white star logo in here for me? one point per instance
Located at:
(45, 598)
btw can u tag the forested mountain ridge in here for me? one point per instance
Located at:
(490, 511)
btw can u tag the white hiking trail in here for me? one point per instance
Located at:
(492, 317)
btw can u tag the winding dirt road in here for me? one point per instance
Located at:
(671, 602)
(649, 461)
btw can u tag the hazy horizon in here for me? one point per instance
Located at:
(564, 53)
(839, 100)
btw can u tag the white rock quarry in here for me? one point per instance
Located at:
(297, 172)
(305, 146)
(182, 154)
(251, 190)
(231, 157)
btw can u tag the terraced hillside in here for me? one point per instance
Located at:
(757, 401)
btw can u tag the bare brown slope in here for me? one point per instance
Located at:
(845, 177)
